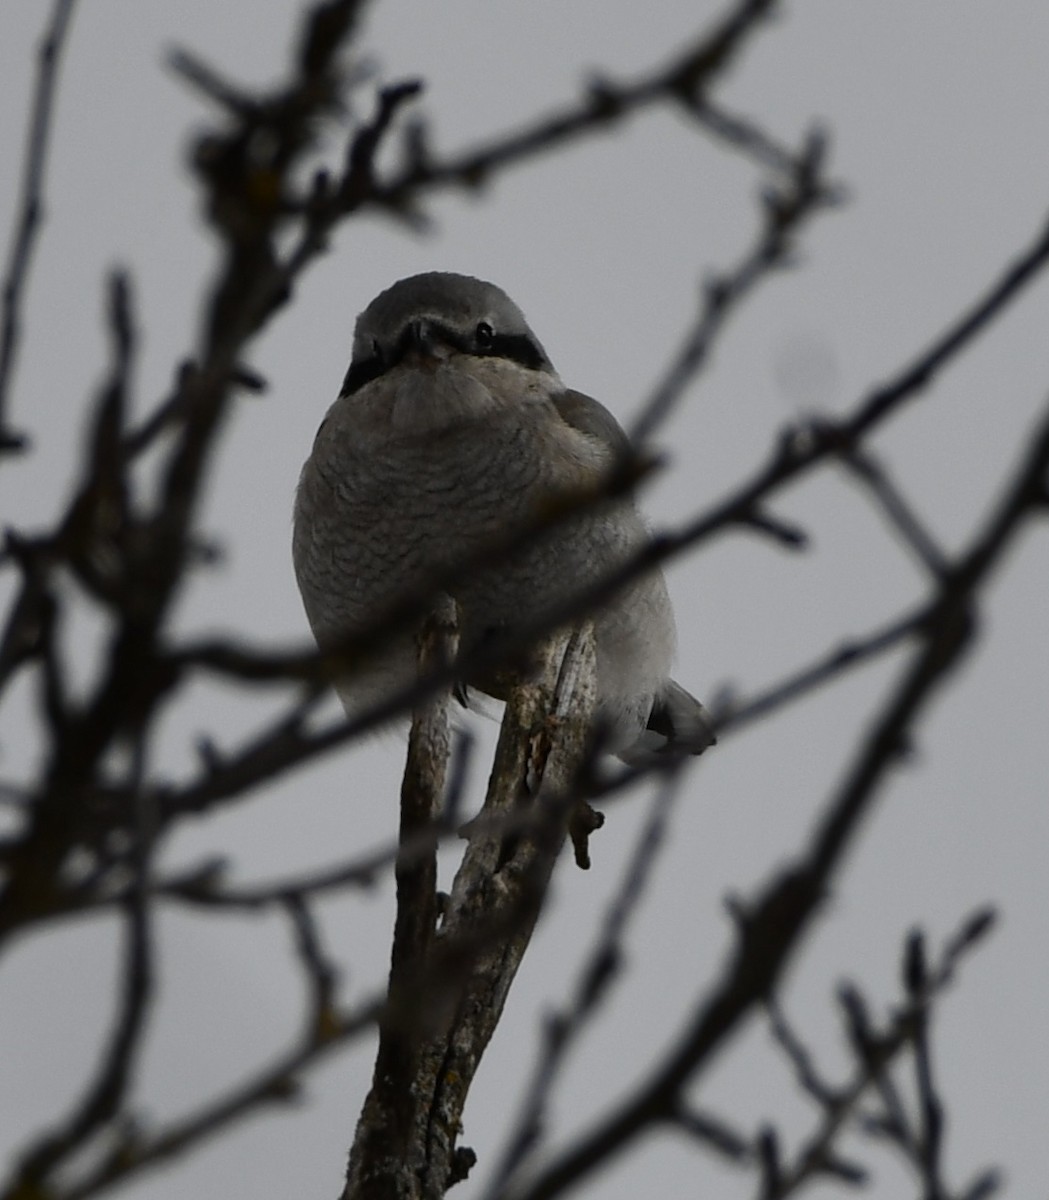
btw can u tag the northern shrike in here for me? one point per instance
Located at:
(453, 432)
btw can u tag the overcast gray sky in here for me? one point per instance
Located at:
(938, 113)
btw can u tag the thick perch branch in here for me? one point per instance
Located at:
(447, 990)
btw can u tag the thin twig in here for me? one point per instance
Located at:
(786, 208)
(800, 1059)
(31, 207)
(876, 1051)
(901, 515)
(735, 715)
(684, 81)
(320, 973)
(714, 1133)
(745, 135)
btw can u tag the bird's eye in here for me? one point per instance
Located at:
(485, 336)
(376, 349)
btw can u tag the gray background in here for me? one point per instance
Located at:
(939, 113)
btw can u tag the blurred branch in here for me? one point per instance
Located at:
(107, 1095)
(802, 448)
(31, 206)
(786, 207)
(288, 743)
(100, 540)
(320, 973)
(714, 1134)
(745, 135)
(169, 411)
(133, 561)
(874, 1051)
(733, 715)
(797, 451)
(770, 929)
(133, 555)
(901, 515)
(684, 81)
(958, 336)
(142, 1149)
(785, 534)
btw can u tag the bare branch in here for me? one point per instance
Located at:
(211, 83)
(278, 749)
(800, 1059)
(392, 1128)
(133, 557)
(139, 581)
(771, 929)
(901, 515)
(321, 975)
(800, 450)
(797, 451)
(31, 205)
(714, 1133)
(494, 903)
(784, 533)
(745, 135)
(875, 1050)
(685, 81)
(276, 1084)
(731, 715)
(786, 208)
(108, 1092)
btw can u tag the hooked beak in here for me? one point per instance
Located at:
(423, 340)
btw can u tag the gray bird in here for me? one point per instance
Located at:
(452, 432)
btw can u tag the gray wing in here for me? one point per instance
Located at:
(588, 416)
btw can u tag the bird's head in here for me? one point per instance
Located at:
(439, 317)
